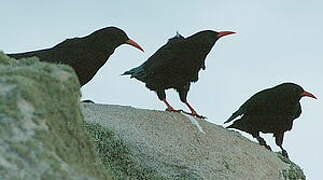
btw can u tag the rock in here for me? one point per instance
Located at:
(146, 144)
(41, 125)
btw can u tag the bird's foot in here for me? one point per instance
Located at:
(198, 116)
(263, 143)
(195, 115)
(268, 147)
(173, 110)
(285, 154)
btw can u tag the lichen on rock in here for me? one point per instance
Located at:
(41, 132)
(293, 171)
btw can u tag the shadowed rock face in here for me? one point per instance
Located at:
(43, 136)
(175, 146)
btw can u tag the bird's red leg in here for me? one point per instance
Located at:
(193, 112)
(279, 141)
(169, 107)
(261, 141)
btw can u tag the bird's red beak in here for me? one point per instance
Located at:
(308, 95)
(134, 44)
(224, 33)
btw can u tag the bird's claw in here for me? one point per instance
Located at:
(173, 110)
(263, 143)
(195, 115)
(285, 154)
(268, 147)
(199, 116)
(180, 110)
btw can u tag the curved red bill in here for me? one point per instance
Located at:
(134, 44)
(224, 33)
(308, 95)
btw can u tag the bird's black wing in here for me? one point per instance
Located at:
(176, 58)
(48, 55)
(71, 43)
(299, 110)
(28, 54)
(160, 62)
(166, 55)
(65, 52)
(257, 104)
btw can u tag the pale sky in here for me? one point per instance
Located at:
(276, 41)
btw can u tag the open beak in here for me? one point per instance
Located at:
(134, 44)
(224, 33)
(308, 95)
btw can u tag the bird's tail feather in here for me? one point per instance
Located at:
(231, 126)
(137, 72)
(232, 117)
(236, 124)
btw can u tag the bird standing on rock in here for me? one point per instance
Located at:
(176, 65)
(86, 55)
(272, 110)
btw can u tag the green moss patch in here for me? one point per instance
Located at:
(294, 172)
(41, 130)
(116, 156)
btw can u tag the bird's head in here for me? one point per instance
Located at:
(295, 91)
(112, 37)
(209, 37)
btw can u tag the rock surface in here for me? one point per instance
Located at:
(176, 146)
(41, 125)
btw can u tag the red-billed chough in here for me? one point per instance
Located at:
(272, 110)
(176, 65)
(87, 54)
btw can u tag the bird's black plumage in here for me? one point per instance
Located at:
(177, 64)
(87, 54)
(272, 110)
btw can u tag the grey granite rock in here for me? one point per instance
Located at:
(163, 145)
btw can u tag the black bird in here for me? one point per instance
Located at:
(176, 65)
(87, 54)
(272, 110)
